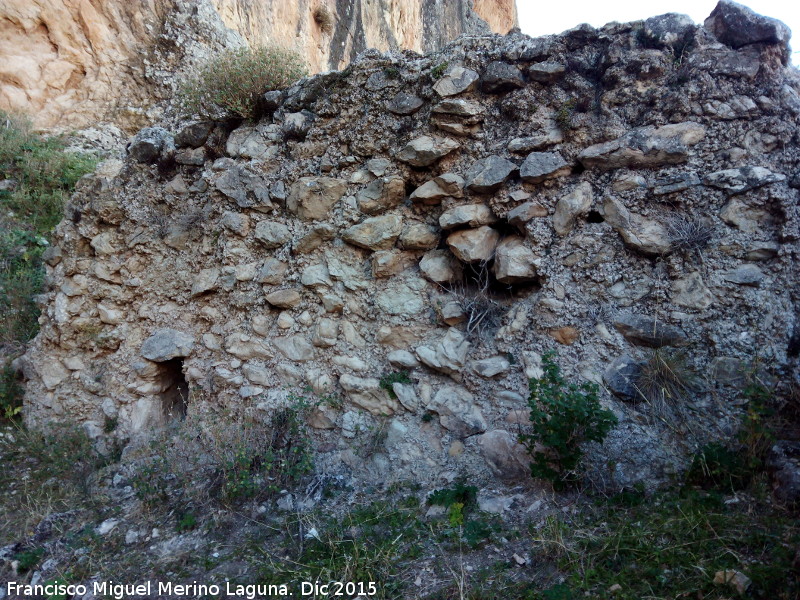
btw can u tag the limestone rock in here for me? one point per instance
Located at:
(246, 347)
(325, 333)
(271, 272)
(316, 236)
(458, 412)
(489, 367)
(474, 245)
(297, 125)
(166, 344)
(455, 81)
(539, 166)
(514, 262)
(506, 457)
(316, 276)
(500, 77)
(418, 236)
(690, 291)
(402, 297)
(649, 332)
(621, 378)
(194, 135)
(458, 107)
(381, 195)
(149, 143)
(406, 395)
(783, 464)
(645, 147)
(375, 233)
(404, 104)
(488, 174)
(449, 355)
(642, 234)
(440, 266)
(749, 275)
(310, 198)
(368, 394)
(426, 150)
(235, 222)
(736, 25)
(473, 215)
(571, 206)
(283, 298)
(272, 234)
(520, 215)
(524, 145)
(402, 359)
(546, 71)
(743, 179)
(428, 193)
(294, 347)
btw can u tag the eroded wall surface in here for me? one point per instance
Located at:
(603, 193)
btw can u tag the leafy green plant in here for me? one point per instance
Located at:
(460, 493)
(27, 559)
(10, 394)
(563, 416)
(232, 83)
(186, 522)
(388, 380)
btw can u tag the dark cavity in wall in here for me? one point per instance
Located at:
(175, 392)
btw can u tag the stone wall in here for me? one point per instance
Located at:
(603, 193)
(71, 64)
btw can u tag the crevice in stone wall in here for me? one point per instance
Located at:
(175, 394)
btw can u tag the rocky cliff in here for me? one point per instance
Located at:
(69, 64)
(620, 195)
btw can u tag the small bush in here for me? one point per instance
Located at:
(324, 19)
(232, 83)
(563, 416)
(665, 381)
(460, 493)
(689, 233)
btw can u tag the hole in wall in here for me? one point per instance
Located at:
(175, 394)
(594, 217)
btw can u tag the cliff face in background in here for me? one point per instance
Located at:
(70, 63)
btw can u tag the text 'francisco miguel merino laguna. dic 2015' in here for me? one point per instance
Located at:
(120, 591)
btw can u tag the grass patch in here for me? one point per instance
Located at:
(36, 178)
(673, 545)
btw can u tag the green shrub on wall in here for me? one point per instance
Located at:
(563, 416)
(232, 83)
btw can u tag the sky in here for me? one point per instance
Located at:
(535, 18)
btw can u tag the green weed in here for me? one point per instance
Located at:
(563, 416)
(388, 380)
